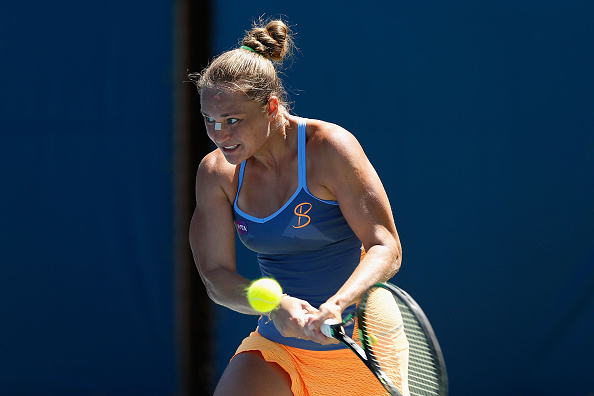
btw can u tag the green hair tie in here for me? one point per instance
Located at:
(245, 47)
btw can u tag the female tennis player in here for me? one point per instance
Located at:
(303, 195)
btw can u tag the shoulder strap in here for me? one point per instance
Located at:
(301, 136)
(241, 170)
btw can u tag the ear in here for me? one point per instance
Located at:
(273, 106)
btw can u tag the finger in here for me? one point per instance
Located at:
(315, 334)
(309, 310)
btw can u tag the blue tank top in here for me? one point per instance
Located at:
(307, 246)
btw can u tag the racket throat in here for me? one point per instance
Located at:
(358, 350)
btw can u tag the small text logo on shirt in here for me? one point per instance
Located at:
(241, 227)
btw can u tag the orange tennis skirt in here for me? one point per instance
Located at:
(323, 373)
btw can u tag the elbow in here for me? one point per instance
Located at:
(210, 292)
(218, 286)
(397, 263)
(213, 293)
(396, 260)
(209, 286)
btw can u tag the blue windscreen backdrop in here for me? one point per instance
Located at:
(479, 118)
(86, 229)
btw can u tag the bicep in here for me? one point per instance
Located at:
(362, 197)
(212, 230)
(365, 206)
(212, 237)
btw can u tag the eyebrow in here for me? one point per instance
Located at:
(222, 115)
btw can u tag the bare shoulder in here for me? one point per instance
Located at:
(331, 142)
(216, 175)
(337, 166)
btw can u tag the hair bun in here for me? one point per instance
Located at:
(272, 41)
(251, 74)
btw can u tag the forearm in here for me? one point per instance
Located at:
(379, 264)
(227, 288)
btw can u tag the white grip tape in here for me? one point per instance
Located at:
(325, 327)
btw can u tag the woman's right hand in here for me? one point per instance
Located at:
(291, 317)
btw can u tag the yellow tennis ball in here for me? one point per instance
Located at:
(372, 339)
(264, 294)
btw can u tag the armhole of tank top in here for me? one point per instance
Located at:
(239, 182)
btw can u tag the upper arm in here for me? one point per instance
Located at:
(351, 178)
(212, 231)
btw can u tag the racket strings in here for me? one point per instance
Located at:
(384, 336)
(423, 368)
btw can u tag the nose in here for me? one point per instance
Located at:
(221, 133)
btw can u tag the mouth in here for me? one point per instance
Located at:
(228, 149)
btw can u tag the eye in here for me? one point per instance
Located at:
(232, 121)
(208, 119)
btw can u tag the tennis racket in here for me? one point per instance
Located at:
(384, 316)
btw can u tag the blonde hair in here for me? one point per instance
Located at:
(251, 71)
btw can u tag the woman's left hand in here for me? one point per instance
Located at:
(312, 329)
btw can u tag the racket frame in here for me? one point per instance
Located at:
(431, 337)
(421, 319)
(333, 328)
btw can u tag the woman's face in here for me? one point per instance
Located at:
(238, 126)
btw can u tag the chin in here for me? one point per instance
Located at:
(233, 159)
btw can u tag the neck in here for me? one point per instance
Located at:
(282, 142)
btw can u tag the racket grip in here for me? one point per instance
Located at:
(326, 329)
